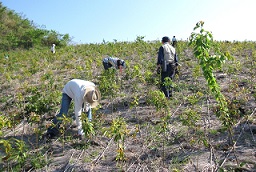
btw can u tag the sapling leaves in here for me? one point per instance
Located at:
(210, 58)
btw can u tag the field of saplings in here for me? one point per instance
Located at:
(209, 123)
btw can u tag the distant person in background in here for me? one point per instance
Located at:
(166, 64)
(113, 62)
(53, 48)
(6, 56)
(85, 95)
(174, 41)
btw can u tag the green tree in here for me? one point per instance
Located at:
(209, 56)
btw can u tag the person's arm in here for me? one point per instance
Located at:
(120, 68)
(176, 59)
(160, 57)
(88, 110)
(78, 113)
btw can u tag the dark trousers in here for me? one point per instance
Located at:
(174, 43)
(106, 65)
(170, 72)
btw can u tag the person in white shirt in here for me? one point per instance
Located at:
(53, 48)
(113, 62)
(85, 95)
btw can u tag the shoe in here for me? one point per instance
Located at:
(52, 132)
(80, 137)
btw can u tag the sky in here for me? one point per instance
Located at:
(92, 21)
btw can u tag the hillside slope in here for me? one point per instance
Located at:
(192, 139)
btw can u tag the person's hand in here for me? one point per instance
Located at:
(177, 64)
(158, 70)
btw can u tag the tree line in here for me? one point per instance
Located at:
(17, 32)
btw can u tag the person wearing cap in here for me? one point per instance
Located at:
(166, 64)
(85, 95)
(113, 62)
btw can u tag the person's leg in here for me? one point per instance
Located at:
(168, 74)
(163, 87)
(174, 43)
(105, 65)
(171, 71)
(65, 103)
(171, 74)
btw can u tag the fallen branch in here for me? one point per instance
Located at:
(97, 159)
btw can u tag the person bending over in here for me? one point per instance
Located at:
(85, 96)
(113, 62)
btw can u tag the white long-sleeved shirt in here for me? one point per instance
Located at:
(75, 89)
(53, 48)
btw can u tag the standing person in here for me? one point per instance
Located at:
(166, 61)
(85, 95)
(174, 41)
(53, 48)
(113, 62)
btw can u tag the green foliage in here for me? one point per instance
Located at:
(190, 118)
(4, 123)
(210, 58)
(18, 32)
(7, 147)
(65, 122)
(194, 98)
(38, 160)
(118, 130)
(168, 83)
(15, 150)
(158, 99)
(108, 83)
(134, 102)
(88, 126)
(19, 153)
(39, 102)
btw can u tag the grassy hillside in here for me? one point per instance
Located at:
(135, 128)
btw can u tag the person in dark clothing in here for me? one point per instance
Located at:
(166, 63)
(174, 41)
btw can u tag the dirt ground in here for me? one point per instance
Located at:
(145, 148)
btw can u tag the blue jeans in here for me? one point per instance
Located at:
(65, 103)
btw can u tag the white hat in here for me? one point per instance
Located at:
(92, 96)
